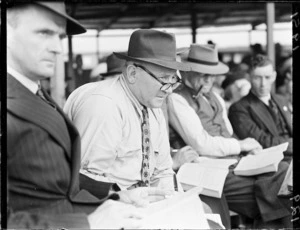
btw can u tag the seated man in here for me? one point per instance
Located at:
(198, 116)
(261, 114)
(124, 137)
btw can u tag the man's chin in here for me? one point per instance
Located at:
(157, 103)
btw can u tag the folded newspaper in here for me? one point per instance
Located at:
(263, 161)
(181, 211)
(210, 174)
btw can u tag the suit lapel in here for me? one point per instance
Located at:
(284, 112)
(28, 106)
(262, 113)
(75, 150)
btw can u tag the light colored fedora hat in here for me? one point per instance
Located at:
(204, 59)
(154, 47)
(73, 26)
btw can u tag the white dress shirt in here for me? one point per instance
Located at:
(29, 84)
(265, 99)
(109, 118)
(186, 122)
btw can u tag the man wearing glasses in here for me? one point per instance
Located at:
(123, 130)
(198, 117)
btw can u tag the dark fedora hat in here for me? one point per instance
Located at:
(73, 26)
(152, 46)
(204, 59)
(114, 65)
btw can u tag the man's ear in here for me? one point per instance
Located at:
(274, 75)
(131, 74)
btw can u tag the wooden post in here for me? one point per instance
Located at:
(194, 24)
(270, 10)
(58, 82)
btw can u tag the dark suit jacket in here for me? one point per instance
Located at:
(43, 158)
(251, 118)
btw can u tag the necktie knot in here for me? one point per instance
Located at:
(41, 95)
(273, 106)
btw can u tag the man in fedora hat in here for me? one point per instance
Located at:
(261, 114)
(123, 131)
(198, 117)
(43, 147)
(114, 67)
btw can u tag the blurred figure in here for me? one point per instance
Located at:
(114, 66)
(235, 87)
(96, 72)
(254, 50)
(286, 87)
(261, 114)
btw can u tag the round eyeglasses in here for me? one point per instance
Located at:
(165, 86)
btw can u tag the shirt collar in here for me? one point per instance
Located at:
(132, 98)
(29, 84)
(265, 99)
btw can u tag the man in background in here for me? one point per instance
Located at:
(262, 114)
(198, 119)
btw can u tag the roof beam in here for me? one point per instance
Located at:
(120, 14)
(163, 17)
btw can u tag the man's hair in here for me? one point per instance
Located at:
(259, 60)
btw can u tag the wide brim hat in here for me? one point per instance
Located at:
(114, 65)
(204, 59)
(73, 26)
(232, 77)
(155, 47)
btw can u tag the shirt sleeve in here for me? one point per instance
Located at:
(99, 123)
(186, 122)
(163, 173)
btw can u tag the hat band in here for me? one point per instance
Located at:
(202, 62)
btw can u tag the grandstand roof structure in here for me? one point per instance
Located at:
(102, 16)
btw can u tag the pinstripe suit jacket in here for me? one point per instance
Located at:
(43, 158)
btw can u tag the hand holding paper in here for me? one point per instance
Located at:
(142, 196)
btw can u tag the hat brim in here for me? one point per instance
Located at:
(73, 26)
(218, 69)
(167, 64)
(110, 73)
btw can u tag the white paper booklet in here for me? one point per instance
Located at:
(264, 161)
(210, 174)
(181, 211)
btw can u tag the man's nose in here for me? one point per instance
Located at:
(56, 45)
(262, 82)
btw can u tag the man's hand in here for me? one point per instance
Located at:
(142, 196)
(249, 144)
(115, 215)
(184, 155)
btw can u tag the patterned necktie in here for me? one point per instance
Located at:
(41, 95)
(273, 106)
(145, 148)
